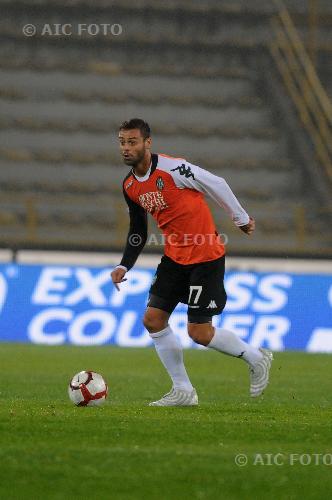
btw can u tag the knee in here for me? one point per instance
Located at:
(201, 333)
(154, 322)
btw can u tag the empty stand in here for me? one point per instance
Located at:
(197, 78)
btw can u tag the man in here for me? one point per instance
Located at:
(192, 268)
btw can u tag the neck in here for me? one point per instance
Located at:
(143, 166)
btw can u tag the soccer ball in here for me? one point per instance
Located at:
(87, 388)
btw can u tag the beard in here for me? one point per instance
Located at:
(129, 162)
(132, 161)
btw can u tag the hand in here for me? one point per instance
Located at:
(117, 276)
(250, 227)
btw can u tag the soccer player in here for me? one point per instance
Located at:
(192, 268)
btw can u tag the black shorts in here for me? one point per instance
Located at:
(201, 286)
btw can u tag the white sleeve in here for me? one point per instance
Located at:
(194, 177)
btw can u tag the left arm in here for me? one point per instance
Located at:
(194, 177)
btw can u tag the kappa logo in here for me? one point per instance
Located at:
(154, 279)
(212, 305)
(183, 170)
(129, 184)
(160, 183)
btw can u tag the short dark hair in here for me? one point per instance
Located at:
(139, 124)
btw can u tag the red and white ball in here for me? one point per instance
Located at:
(87, 388)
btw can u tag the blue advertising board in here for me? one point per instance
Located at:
(79, 305)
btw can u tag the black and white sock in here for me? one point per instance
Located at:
(229, 343)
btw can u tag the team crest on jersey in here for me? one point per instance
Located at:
(152, 201)
(183, 170)
(160, 183)
(129, 184)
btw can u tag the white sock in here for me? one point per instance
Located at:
(229, 343)
(170, 353)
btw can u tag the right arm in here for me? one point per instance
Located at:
(136, 239)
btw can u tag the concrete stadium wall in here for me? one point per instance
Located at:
(110, 259)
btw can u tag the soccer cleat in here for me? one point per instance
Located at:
(177, 397)
(259, 374)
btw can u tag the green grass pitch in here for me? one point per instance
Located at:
(50, 449)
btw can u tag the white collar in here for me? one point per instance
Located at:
(145, 177)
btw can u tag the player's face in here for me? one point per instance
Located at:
(133, 146)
